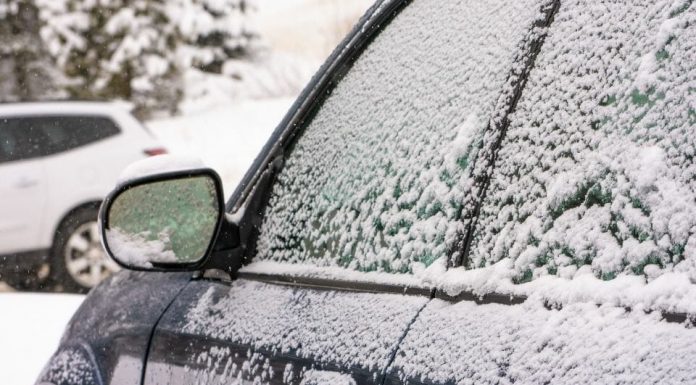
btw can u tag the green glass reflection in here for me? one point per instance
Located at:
(170, 221)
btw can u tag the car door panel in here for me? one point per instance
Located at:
(274, 334)
(107, 339)
(469, 343)
(221, 362)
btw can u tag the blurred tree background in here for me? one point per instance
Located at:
(133, 50)
(27, 71)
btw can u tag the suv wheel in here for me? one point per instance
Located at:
(78, 260)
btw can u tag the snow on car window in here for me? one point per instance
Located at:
(597, 168)
(380, 177)
(530, 344)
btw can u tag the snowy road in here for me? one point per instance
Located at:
(30, 329)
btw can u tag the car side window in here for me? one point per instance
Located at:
(63, 133)
(34, 136)
(8, 146)
(379, 180)
(15, 144)
(598, 171)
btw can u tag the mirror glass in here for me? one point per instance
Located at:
(171, 221)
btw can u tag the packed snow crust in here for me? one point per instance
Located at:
(380, 180)
(466, 343)
(343, 328)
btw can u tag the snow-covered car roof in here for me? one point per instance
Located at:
(63, 107)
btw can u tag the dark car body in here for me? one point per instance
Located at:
(383, 323)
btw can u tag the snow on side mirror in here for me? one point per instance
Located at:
(163, 221)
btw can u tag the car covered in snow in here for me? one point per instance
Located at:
(468, 192)
(58, 161)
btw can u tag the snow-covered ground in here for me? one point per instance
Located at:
(226, 137)
(30, 328)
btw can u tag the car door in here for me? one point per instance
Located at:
(582, 253)
(22, 187)
(375, 186)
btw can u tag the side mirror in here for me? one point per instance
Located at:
(163, 222)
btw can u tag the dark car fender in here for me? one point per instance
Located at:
(107, 340)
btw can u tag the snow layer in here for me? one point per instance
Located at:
(466, 343)
(140, 250)
(378, 180)
(320, 377)
(159, 164)
(670, 292)
(343, 328)
(331, 272)
(598, 168)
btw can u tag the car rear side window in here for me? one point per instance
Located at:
(11, 145)
(379, 179)
(35, 136)
(597, 170)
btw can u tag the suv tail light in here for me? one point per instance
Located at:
(155, 151)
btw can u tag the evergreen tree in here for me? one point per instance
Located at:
(115, 49)
(27, 72)
(213, 31)
(133, 50)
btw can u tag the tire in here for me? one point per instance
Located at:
(78, 260)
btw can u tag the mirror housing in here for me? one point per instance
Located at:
(165, 222)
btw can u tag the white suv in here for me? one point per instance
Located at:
(57, 162)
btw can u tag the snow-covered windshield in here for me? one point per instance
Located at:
(597, 170)
(379, 180)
